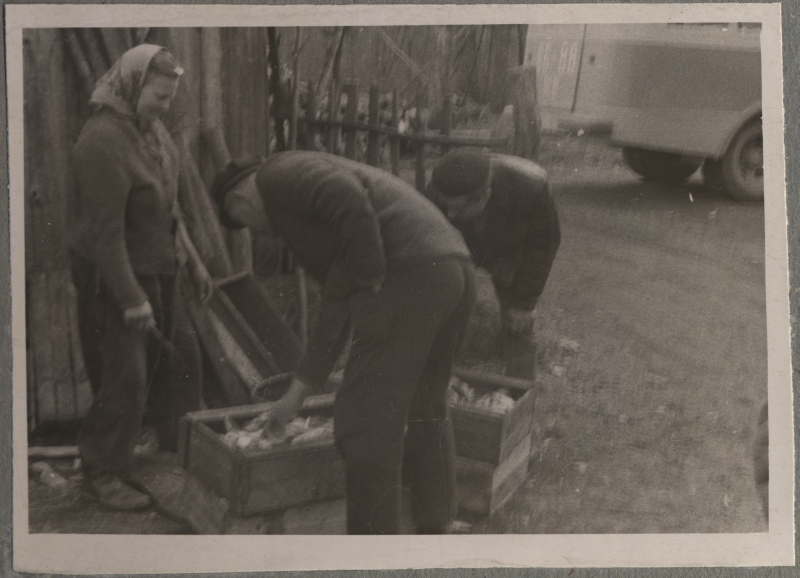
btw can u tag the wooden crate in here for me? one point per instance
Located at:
(258, 481)
(488, 436)
(492, 449)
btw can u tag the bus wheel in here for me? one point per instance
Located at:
(740, 173)
(658, 166)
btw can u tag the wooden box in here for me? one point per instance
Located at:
(258, 481)
(492, 449)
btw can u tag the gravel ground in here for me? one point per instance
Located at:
(651, 362)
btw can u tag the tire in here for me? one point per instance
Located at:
(658, 166)
(740, 173)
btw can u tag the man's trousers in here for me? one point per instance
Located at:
(391, 410)
(131, 371)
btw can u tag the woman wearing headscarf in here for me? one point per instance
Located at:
(131, 259)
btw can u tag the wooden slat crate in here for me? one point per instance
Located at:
(258, 481)
(492, 448)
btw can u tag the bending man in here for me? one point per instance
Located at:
(391, 266)
(503, 208)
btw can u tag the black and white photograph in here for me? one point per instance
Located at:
(508, 276)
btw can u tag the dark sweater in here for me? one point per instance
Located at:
(348, 223)
(516, 237)
(125, 205)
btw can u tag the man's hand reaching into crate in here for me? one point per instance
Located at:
(274, 420)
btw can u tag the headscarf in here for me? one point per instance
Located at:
(120, 87)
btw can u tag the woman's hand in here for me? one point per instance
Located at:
(140, 317)
(203, 283)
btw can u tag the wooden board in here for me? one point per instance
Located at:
(260, 481)
(488, 436)
(262, 316)
(483, 487)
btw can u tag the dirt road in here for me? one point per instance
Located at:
(652, 357)
(652, 365)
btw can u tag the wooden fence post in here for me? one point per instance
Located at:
(351, 116)
(372, 143)
(394, 140)
(295, 93)
(447, 116)
(267, 123)
(333, 115)
(311, 116)
(527, 131)
(419, 179)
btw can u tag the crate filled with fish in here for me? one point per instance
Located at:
(231, 453)
(492, 419)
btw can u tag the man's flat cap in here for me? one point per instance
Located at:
(234, 173)
(461, 171)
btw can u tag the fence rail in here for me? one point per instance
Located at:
(349, 124)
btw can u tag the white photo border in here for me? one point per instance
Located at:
(107, 554)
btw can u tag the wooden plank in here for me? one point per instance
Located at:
(235, 391)
(447, 118)
(114, 43)
(350, 115)
(420, 178)
(311, 403)
(268, 325)
(210, 460)
(211, 104)
(295, 90)
(292, 477)
(38, 324)
(202, 221)
(394, 141)
(248, 373)
(333, 116)
(94, 51)
(492, 379)
(243, 334)
(483, 487)
(511, 472)
(82, 387)
(79, 60)
(265, 92)
(478, 433)
(311, 114)
(518, 423)
(52, 452)
(60, 301)
(474, 485)
(373, 149)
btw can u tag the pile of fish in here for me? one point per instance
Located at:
(300, 431)
(461, 393)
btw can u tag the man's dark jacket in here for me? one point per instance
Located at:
(516, 237)
(348, 223)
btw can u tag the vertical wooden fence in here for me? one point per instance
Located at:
(381, 127)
